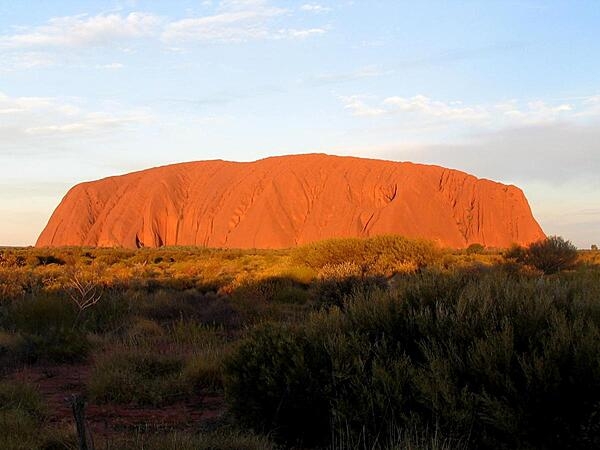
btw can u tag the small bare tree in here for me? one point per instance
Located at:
(84, 293)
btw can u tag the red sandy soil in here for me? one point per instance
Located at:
(287, 201)
(58, 383)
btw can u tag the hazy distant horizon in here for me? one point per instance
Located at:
(508, 91)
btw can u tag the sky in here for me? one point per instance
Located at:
(505, 90)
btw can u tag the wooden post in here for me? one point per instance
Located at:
(78, 405)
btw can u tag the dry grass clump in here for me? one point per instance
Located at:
(220, 440)
(159, 365)
(23, 424)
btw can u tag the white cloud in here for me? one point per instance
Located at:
(24, 118)
(315, 8)
(537, 111)
(419, 105)
(83, 31)
(501, 114)
(226, 27)
(427, 107)
(301, 34)
(236, 21)
(24, 60)
(19, 105)
(91, 122)
(110, 66)
(591, 106)
(336, 78)
(231, 21)
(357, 106)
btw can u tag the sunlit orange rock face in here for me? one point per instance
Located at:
(287, 201)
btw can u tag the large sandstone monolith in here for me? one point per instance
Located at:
(290, 200)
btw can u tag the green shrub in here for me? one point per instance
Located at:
(204, 370)
(39, 313)
(22, 420)
(142, 330)
(111, 313)
(475, 249)
(379, 255)
(552, 255)
(397, 439)
(18, 430)
(141, 377)
(166, 306)
(55, 346)
(493, 358)
(334, 292)
(43, 327)
(273, 289)
(16, 283)
(198, 336)
(8, 343)
(22, 396)
(277, 382)
(515, 252)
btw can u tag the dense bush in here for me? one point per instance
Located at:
(475, 249)
(54, 346)
(516, 253)
(380, 255)
(38, 314)
(501, 361)
(278, 381)
(16, 284)
(43, 327)
(336, 282)
(552, 255)
(272, 289)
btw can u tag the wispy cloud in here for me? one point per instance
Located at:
(427, 107)
(110, 66)
(533, 112)
(357, 105)
(26, 118)
(231, 21)
(344, 77)
(25, 60)
(301, 33)
(236, 21)
(418, 106)
(83, 31)
(506, 113)
(315, 8)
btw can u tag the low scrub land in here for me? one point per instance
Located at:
(382, 343)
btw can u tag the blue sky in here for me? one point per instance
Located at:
(507, 90)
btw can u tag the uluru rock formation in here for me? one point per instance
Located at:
(290, 200)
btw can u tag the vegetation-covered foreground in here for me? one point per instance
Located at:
(370, 344)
